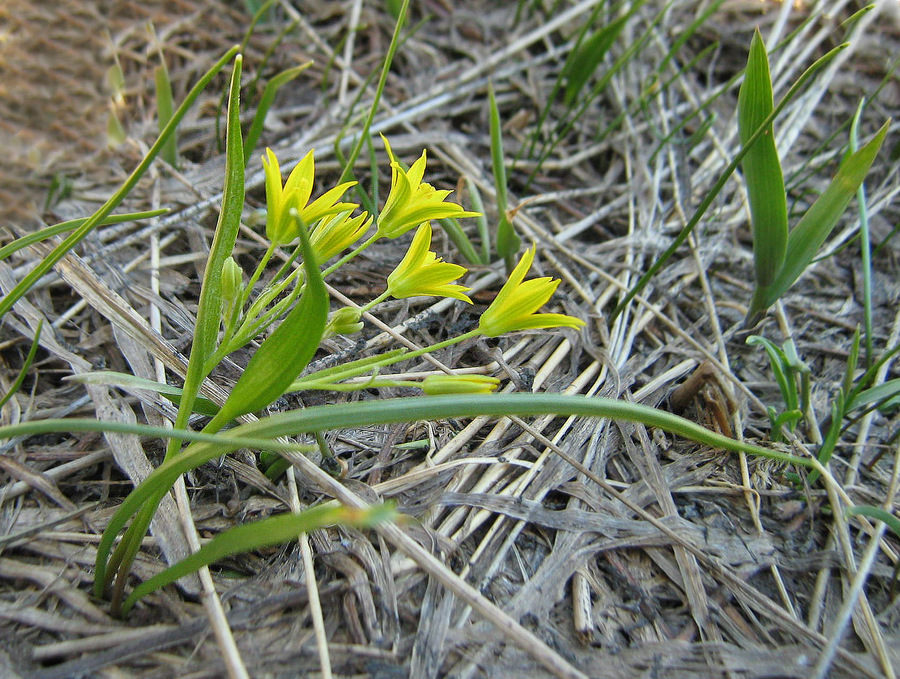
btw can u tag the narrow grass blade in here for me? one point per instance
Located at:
(386, 411)
(132, 383)
(382, 81)
(865, 243)
(720, 184)
(784, 377)
(265, 103)
(584, 60)
(165, 111)
(78, 235)
(508, 241)
(815, 226)
(265, 533)
(29, 359)
(459, 238)
(209, 307)
(762, 172)
(71, 225)
(286, 352)
(878, 514)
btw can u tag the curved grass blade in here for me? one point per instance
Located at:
(762, 173)
(815, 226)
(29, 359)
(586, 57)
(720, 184)
(265, 533)
(165, 110)
(78, 235)
(878, 514)
(63, 227)
(349, 415)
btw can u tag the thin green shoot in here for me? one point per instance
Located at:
(29, 359)
(865, 244)
(265, 103)
(508, 241)
(268, 532)
(165, 110)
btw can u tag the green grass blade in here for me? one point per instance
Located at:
(265, 103)
(762, 171)
(386, 411)
(379, 90)
(459, 238)
(720, 184)
(783, 372)
(72, 224)
(131, 383)
(78, 235)
(584, 60)
(508, 241)
(259, 534)
(878, 514)
(29, 359)
(865, 243)
(165, 111)
(206, 330)
(815, 226)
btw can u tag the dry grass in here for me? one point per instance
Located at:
(650, 557)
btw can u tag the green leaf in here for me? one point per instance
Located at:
(584, 60)
(286, 352)
(29, 359)
(762, 168)
(882, 393)
(878, 514)
(815, 226)
(508, 241)
(209, 307)
(781, 368)
(265, 533)
(88, 225)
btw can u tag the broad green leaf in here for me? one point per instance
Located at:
(78, 235)
(815, 226)
(265, 533)
(72, 224)
(209, 307)
(762, 168)
(110, 378)
(286, 352)
(265, 103)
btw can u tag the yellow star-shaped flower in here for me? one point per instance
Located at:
(281, 227)
(515, 305)
(336, 233)
(422, 273)
(412, 201)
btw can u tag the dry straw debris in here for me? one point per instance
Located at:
(552, 545)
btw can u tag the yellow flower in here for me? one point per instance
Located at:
(515, 305)
(459, 384)
(422, 273)
(281, 228)
(412, 201)
(337, 232)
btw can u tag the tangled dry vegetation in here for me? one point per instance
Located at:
(752, 575)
